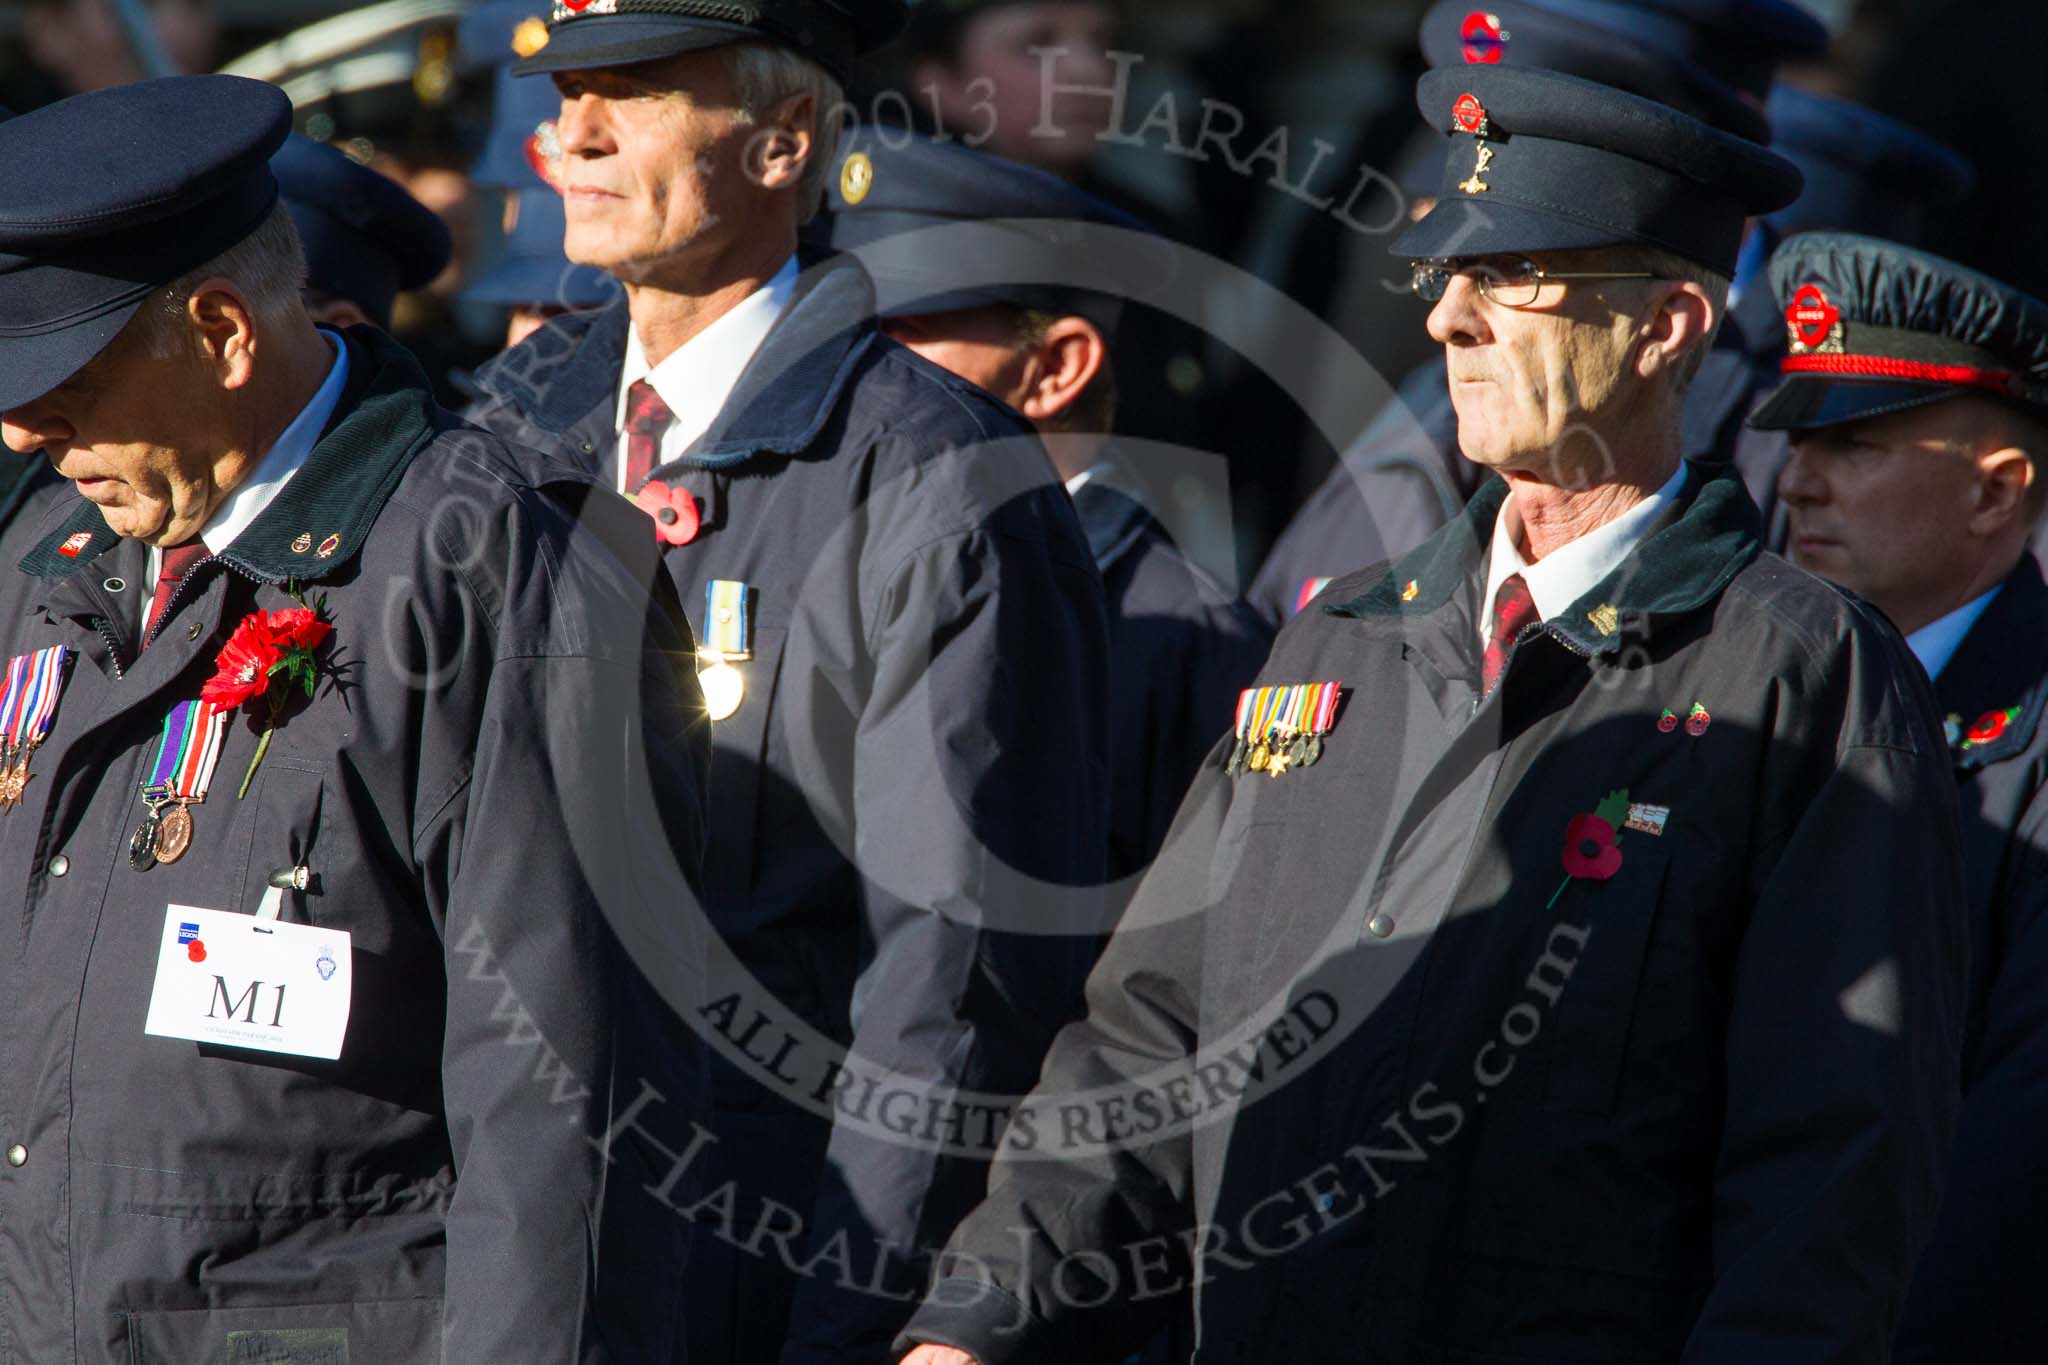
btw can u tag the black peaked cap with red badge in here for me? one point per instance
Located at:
(1873, 327)
(1542, 161)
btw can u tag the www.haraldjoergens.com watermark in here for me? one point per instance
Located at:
(1337, 1190)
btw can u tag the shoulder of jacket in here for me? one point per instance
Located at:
(947, 408)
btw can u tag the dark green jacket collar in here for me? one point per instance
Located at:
(318, 521)
(2001, 666)
(1686, 562)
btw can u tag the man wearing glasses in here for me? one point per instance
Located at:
(1586, 985)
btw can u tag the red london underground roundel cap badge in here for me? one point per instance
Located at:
(1468, 115)
(1484, 42)
(1811, 319)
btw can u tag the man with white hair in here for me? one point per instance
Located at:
(904, 647)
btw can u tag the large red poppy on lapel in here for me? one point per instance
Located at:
(1589, 849)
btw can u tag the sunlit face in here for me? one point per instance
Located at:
(134, 433)
(1532, 386)
(653, 164)
(997, 92)
(1884, 507)
(978, 344)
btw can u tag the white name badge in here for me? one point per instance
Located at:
(240, 981)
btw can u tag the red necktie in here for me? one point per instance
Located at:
(176, 562)
(1513, 609)
(646, 418)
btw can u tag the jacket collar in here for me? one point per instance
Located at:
(2001, 665)
(318, 521)
(1685, 563)
(1113, 519)
(783, 399)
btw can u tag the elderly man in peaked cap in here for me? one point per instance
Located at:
(1585, 982)
(1916, 399)
(341, 752)
(1403, 477)
(904, 653)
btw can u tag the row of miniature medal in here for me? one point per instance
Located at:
(1282, 727)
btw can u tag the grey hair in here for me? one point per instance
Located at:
(269, 266)
(1669, 265)
(763, 75)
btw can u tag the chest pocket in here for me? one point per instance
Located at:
(739, 755)
(281, 826)
(1594, 965)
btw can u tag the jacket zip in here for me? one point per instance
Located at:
(101, 624)
(178, 592)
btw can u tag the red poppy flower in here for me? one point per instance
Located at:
(244, 664)
(1589, 848)
(298, 628)
(674, 512)
(1989, 726)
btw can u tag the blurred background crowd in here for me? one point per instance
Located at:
(1247, 130)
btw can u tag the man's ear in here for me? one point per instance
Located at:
(226, 327)
(1681, 325)
(785, 142)
(2004, 478)
(1064, 365)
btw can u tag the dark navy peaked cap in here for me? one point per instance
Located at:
(1864, 172)
(596, 33)
(1738, 42)
(113, 194)
(1541, 161)
(365, 237)
(1874, 327)
(1028, 227)
(1458, 33)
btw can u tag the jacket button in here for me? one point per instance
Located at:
(17, 1155)
(192, 632)
(1379, 926)
(59, 865)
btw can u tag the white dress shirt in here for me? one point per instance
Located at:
(1571, 571)
(286, 454)
(696, 380)
(1935, 643)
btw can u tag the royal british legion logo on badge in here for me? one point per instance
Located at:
(325, 963)
(187, 931)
